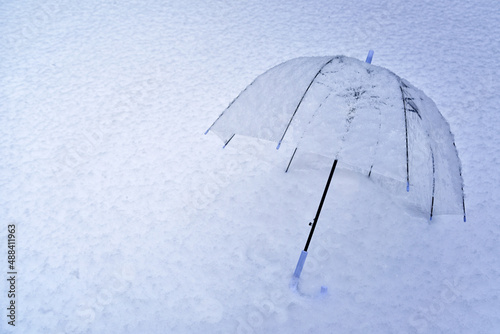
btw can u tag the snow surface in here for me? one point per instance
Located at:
(129, 220)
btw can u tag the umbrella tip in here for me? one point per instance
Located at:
(370, 56)
(227, 142)
(465, 219)
(408, 187)
(207, 131)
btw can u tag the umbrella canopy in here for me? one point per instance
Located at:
(364, 116)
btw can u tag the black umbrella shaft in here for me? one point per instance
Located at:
(320, 205)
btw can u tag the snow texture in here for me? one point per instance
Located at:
(130, 220)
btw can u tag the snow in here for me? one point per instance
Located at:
(130, 220)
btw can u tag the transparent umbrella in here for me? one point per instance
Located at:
(361, 116)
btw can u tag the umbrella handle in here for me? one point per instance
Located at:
(300, 264)
(294, 283)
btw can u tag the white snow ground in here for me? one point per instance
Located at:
(129, 220)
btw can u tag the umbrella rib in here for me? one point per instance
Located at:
(433, 182)
(461, 177)
(301, 99)
(289, 163)
(406, 131)
(463, 203)
(227, 142)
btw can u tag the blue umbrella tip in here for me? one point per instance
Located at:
(369, 57)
